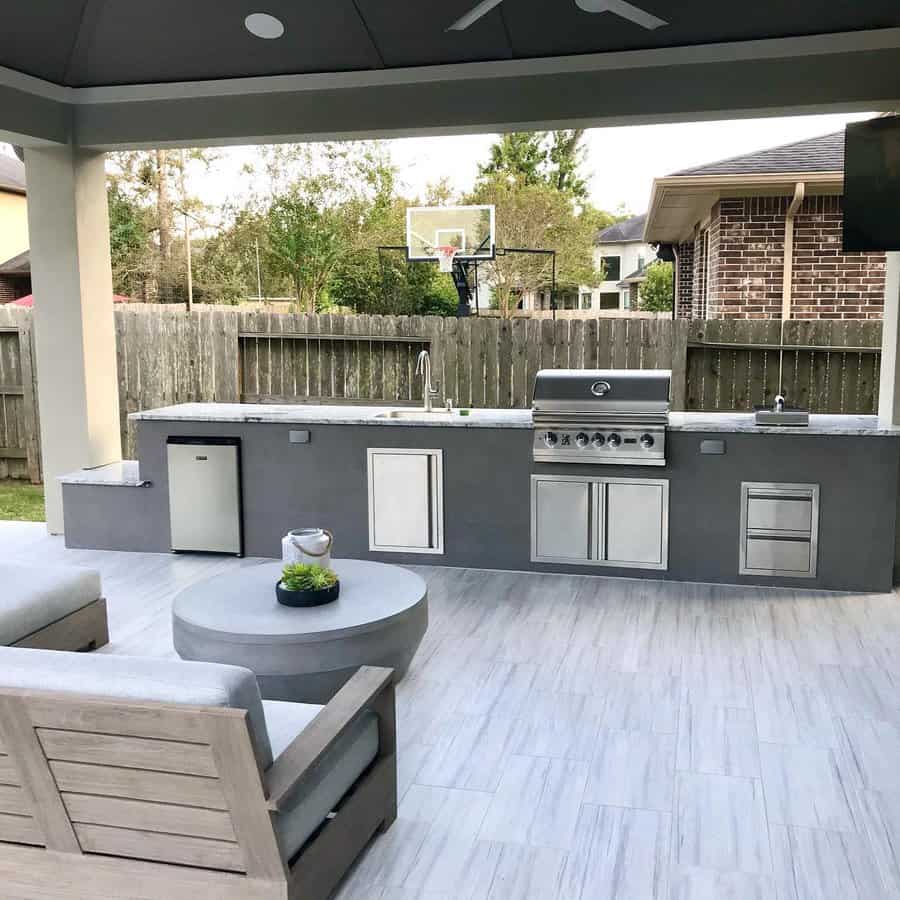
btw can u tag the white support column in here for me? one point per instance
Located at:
(75, 340)
(889, 382)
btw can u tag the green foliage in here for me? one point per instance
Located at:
(129, 238)
(317, 215)
(518, 153)
(553, 158)
(304, 243)
(307, 577)
(657, 293)
(566, 158)
(538, 217)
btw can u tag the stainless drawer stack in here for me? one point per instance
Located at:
(779, 529)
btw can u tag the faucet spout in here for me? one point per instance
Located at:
(423, 368)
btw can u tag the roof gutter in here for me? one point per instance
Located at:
(793, 209)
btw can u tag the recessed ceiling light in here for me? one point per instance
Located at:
(264, 26)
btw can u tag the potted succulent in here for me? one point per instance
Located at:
(304, 584)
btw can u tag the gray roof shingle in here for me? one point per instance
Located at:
(18, 265)
(12, 174)
(627, 230)
(818, 154)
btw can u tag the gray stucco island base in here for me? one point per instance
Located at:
(304, 654)
(487, 471)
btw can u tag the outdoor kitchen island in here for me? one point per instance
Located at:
(805, 507)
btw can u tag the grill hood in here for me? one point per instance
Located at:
(602, 392)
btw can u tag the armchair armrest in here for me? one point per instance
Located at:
(370, 688)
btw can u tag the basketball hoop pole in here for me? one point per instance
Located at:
(460, 277)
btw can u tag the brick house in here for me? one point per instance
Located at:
(760, 237)
(15, 267)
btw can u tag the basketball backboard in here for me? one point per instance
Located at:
(470, 229)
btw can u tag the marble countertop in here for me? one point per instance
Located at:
(302, 414)
(743, 423)
(120, 474)
(309, 414)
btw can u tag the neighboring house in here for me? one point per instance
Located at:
(760, 237)
(15, 268)
(624, 253)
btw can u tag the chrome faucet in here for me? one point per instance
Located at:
(423, 368)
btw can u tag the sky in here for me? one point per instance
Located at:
(622, 162)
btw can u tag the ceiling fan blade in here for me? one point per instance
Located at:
(474, 14)
(623, 9)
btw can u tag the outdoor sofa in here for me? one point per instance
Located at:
(155, 778)
(51, 607)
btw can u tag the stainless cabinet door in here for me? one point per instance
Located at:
(405, 501)
(637, 524)
(204, 498)
(560, 527)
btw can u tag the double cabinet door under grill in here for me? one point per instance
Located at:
(616, 522)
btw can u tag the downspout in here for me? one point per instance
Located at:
(676, 291)
(793, 209)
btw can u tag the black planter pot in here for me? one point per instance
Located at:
(307, 598)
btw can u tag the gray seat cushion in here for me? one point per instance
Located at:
(140, 678)
(33, 597)
(338, 771)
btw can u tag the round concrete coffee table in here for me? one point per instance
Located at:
(303, 654)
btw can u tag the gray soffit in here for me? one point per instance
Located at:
(393, 76)
(819, 154)
(82, 43)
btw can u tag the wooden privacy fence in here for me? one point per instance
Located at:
(20, 452)
(227, 355)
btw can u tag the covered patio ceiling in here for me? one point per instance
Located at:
(107, 75)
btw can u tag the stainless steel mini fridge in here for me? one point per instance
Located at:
(205, 494)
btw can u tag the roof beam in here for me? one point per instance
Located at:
(832, 72)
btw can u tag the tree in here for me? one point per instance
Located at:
(566, 158)
(536, 217)
(521, 154)
(129, 242)
(149, 180)
(304, 243)
(554, 158)
(332, 211)
(657, 293)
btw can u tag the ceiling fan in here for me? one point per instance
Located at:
(617, 7)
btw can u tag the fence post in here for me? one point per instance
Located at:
(679, 338)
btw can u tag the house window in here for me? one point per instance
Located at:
(609, 300)
(585, 301)
(626, 298)
(613, 266)
(641, 261)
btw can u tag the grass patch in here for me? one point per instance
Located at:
(21, 501)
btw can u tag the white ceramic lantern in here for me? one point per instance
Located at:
(308, 545)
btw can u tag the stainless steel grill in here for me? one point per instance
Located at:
(614, 416)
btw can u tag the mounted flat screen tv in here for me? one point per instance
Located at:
(872, 185)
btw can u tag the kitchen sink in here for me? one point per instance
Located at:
(436, 414)
(786, 417)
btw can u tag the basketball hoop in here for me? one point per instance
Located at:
(445, 257)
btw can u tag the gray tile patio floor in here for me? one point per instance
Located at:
(571, 738)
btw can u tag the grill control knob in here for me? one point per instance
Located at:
(598, 440)
(551, 439)
(647, 441)
(614, 440)
(581, 439)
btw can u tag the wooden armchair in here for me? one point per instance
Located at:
(112, 798)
